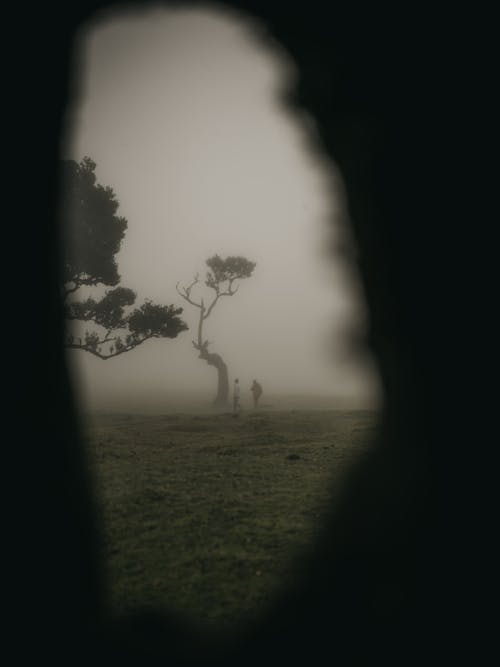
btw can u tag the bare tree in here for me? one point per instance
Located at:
(221, 279)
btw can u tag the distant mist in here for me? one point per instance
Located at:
(182, 112)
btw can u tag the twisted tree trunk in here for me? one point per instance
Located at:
(222, 397)
(215, 360)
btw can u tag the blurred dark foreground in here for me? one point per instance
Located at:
(391, 582)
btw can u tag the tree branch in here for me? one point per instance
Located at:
(218, 293)
(78, 281)
(186, 292)
(211, 307)
(94, 350)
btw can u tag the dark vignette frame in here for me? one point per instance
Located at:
(382, 585)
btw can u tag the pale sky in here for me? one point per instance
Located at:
(180, 110)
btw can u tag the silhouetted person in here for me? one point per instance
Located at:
(236, 396)
(256, 390)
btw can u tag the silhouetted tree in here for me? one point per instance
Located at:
(92, 237)
(220, 278)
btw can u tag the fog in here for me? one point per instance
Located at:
(182, 112)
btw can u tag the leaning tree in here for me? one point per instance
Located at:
(92, 235)
(221, 279)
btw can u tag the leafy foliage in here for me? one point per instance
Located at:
(109, 312)
(92, 235)
(92, 231)
(227, 270)
(156, 321)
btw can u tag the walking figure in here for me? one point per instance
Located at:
(236, 397)
(256, 390)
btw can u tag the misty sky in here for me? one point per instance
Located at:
(180, 110)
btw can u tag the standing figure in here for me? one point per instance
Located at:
(236, 397)
(256, 390)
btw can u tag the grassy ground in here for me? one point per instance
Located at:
(204, 513)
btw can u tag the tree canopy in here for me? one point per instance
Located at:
(227, 270)
(92, 236)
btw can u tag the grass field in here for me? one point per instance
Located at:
(208, 514)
